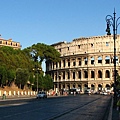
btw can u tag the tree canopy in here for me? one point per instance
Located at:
(17, 65)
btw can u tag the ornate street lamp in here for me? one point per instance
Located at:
(111, 21)
(37, 70)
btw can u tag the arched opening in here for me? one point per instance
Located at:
(107, 74)
(79, 87)
(64, 86)
(85, 61)
(73, 85)
(92, 60)
(85, 74)
(79, 74)
(99, 59)
(68, 87)
(92, 74)
(107, 87)
(92, 87)
(99, 87)
(85, 87)
(107, 60)
(99, 74)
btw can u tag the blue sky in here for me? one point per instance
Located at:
(51, 21)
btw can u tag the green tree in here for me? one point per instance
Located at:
(3, 75)
(118, 82)
(22, 77)
(47, 82)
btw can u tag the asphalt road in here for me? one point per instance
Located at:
(81, 107)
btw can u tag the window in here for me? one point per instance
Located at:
(78, 46)
(73, 75)
(63, 74)
(99, 59)
(92, 45)
(74, 63)
(63, 63)
(92, 74)
(79, 74)
(68, 75)
(107, 43)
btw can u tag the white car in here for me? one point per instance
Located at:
(41, 94)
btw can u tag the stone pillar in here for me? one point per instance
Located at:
(89, 60)
(95, 60)
(71, 85)
(96, 87)
(82, 61)
(103, 86)
(82, 87)
(103, 74)
(89, 85)
(82, 74)
(103, 59)
(58, 87)
(111, 74)
(89, 73)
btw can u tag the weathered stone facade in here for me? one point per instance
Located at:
(10, 43)
(85, 63)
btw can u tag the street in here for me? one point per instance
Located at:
(79, 107)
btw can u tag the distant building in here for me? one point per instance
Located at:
(10, 43)
(86, 63)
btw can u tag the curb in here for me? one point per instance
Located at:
(110, 112)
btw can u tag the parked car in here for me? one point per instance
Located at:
(41, 94)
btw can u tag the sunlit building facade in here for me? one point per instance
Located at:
(10, 43)
(86, 63)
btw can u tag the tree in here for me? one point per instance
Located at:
(118, 82)
(10, 76)
(17, 64)
(40, 52)
(47, 82)
(3, 75)
(22, 77)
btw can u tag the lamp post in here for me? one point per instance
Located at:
(112, 21)
(36, 69)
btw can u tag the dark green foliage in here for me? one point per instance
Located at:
(22, 76)
(17, 65)
(118, 82)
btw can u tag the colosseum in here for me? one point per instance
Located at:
(86, 63)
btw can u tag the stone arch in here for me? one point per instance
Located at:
(107, 74)
(85, 60)
(92, 74)
(107, 60)
(74, 85)
(99, 87)
(92, 87)
(79, 86)
(85, 86)
(92, 60)
(99, 59)
(68, 86)
(79, 74)
(85, 74)
(64, 86)
(99, 74)
(108, 86)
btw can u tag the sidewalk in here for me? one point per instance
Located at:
(115, 114)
